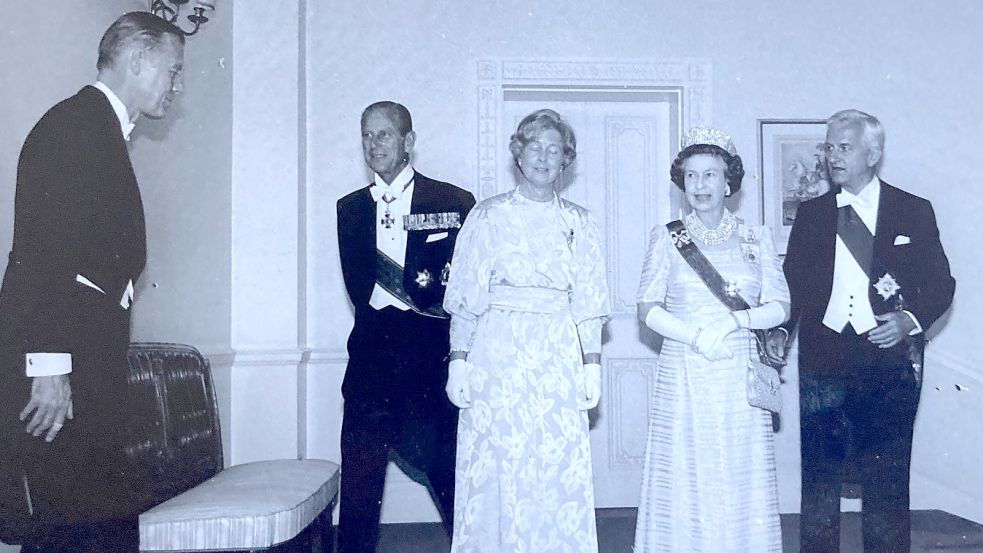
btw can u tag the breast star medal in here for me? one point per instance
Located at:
(886, 286)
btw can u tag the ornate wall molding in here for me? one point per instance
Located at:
(627, 378)
(628, 144)
(326, 357)
(269, 357)
(493, 77)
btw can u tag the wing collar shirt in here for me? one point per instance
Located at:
(51, 363)
(849, 301)
(391, 241)
(124, 119)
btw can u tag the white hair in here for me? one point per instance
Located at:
(873, 131)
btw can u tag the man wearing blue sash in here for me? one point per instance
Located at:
(396, 237)
(867, 276)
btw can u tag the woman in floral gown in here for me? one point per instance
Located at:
(709, 479)
(527, 297)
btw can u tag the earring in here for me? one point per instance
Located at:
(727, 193)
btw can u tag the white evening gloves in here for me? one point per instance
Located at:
(701, 340)
(708, 340)
(459, 383)
(591, 393)
(765, 316)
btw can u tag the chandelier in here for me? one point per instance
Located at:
(170, 9)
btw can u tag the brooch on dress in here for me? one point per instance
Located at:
(679, 237)
(749, 245)
(423, 278)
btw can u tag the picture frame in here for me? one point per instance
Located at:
(792, 169)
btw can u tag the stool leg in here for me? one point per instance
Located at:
(327, 528)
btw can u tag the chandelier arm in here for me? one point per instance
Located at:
(161, 9)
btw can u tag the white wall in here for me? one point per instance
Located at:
(914, 65)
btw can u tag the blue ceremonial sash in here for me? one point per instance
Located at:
(389, 275)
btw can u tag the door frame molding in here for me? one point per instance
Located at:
(691, 77)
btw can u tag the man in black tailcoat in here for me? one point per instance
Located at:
(868, 276)
(396, 237)
(79, 246)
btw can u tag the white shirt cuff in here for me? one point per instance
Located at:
(918, 326)
(48, 364)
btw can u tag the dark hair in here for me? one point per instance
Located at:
(397, 112)
(734, 173)
(143, 29)
(535, 123)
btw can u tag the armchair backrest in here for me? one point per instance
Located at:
(175, 440)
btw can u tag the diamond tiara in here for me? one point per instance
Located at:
(706, 135)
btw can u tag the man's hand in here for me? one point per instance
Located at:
(893, 328)
(775, 343)
(51, 403)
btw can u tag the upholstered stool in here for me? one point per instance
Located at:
(190, 503)
(248, 507)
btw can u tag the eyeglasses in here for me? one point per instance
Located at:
(829, 148)
(535, 148)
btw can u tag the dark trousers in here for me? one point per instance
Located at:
(77, 493)
(865, 416)
(119, 536)
(394, 404)
(43, 483)
(366, 443)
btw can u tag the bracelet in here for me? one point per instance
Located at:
(736, 320)
(696, 337)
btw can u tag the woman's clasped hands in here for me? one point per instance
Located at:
(709, 340)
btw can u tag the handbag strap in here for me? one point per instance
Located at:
(707, 272)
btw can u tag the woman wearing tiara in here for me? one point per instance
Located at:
(527, 296)
(709, 479)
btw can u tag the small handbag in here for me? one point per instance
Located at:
(764, 383)
(764, 386)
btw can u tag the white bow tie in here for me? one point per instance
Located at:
(380, 190)
(845, 199)
(390, 191)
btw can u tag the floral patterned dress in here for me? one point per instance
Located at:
(709, 481)
(527, 295)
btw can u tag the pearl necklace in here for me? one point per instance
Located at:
(712, 237)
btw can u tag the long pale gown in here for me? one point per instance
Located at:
(527, 289)
(709, 479)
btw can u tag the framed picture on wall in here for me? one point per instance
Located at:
(792, 166)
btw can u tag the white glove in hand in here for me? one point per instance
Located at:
(459, 383)
(591, 393)
(710, 342)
